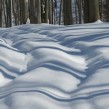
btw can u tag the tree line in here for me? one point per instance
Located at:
(67, 12)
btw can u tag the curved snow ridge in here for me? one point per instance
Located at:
(22, 62)
(54, 67)
(12, 60)
(58, 95)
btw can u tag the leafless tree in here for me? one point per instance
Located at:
(67, 12)
(91, 11)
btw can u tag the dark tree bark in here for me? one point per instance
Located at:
(76, 13)
(32, 11)
(67, 12)
(8, 13)
(79, 5)
(38, 9)
(101, 9)
(1, 13)
(16, 11)
(50, 12)
(107, 10)
(53, 11)
(60, 13)
(91, 11)
(23, 15)
(47, 11)
(35, 11)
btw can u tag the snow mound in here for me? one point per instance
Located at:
(98, 21)
(54, 67)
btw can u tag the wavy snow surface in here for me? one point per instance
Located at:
(54, 67)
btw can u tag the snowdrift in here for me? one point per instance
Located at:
(54, 67)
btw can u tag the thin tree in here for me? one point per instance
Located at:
(79, 5)
(53, 11)
(107, 10)
(47, 11)
(38, 13)
(60, 12)
(32, 11)
(0, 13)
(8, 4)
(16, 11)
(76, 13)
(50, 11)
(101, 9)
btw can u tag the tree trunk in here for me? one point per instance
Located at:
(50, 12)
(1, 13)
(38, 11)
(8, 13)
(107, 10)
(32, 11)
(15, 8)
(47, 11)
(23, 17)
(67, 12)
(53, 12)
(60, 12)
(101, 9)
(79, 4)
(91, 11)
(76, 13)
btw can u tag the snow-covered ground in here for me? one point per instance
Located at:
(54, 67)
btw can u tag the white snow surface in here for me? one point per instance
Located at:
(46, 66)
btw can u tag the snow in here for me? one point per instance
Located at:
(46, 66)
(98, 21)
(28, 21)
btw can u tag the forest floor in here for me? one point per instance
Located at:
(46, 66)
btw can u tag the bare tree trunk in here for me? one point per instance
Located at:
(79, 4)
(15, 11)
(107, 10)
(23, 16)
(47, 11)
(76, 14)
(8, 13)
(91, 11)
(101, 9)
(67, 12)
(35, 11)
(32, 11)
(53, 12)
(1, 13)
(38, 11)
(50, 12)
(60, 13)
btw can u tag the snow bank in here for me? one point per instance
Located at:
(54, 67)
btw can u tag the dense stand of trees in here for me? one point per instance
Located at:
(67, 12)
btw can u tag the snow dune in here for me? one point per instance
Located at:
(54, 67)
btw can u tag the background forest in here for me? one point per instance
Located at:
(67, 12)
